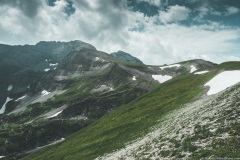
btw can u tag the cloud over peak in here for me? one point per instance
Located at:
(168, 36)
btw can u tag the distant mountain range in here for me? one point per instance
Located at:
(67, 100)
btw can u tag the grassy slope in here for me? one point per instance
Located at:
(78, 91)
(127, 122)
(131, 121)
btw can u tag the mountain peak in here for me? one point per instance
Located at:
(126, 57)
(77, 44)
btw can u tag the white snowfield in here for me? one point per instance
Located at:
(47, 69)
(56, 114)
(134, 78)
(10, 88)
(53, 64)
(102, 88)
(171, 66)
(201, 72)
(161, 78)
(20, 98)
(2, 156)
(193, 69)
(44, 93)
(223, 81)
(2, 110)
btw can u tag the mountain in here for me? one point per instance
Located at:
(77, 90)
(126, 57)
(177, 120)
(91, 104)
(21, 66)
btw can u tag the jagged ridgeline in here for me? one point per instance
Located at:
(66, 100)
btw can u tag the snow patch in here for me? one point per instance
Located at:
(44, 93)
(2, 110)
(134, 78)
(223, 81)
(171, 66)
(201, 72)
(53, 143)
(102, 88)
(56, 114)
(2, 156)
(193, 69)
(161, 78)
(97, 58)
(10, 87)
(47, 69)
(20, 98)
(53, 64)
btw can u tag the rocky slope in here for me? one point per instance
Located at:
(126, 57)
(106, 102)
(22, 66)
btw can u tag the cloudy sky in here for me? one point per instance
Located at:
(155, 31)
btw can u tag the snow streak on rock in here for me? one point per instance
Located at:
(2, 110)
(193, 69)
(161, 78)
(201, 72)
(171, 66)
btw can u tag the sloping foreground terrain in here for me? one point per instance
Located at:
(54, 89)
(180, 118)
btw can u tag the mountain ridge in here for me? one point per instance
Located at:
(126, 57)
(85, 94)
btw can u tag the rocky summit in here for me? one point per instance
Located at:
(126, 57)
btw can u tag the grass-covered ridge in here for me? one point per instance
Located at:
(128, 122)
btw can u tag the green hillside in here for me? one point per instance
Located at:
(130, 121)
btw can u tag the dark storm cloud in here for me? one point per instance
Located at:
(111, 11)
(109, 8)
(29, 7)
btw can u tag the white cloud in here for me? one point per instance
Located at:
(232, 10)
(174, 14)
(205, 11)
(107, 25)
(173, 43)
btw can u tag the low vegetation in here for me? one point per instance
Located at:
(128, 122)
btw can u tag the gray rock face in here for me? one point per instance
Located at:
(21, 66)
(126, 57)
(58, 50)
